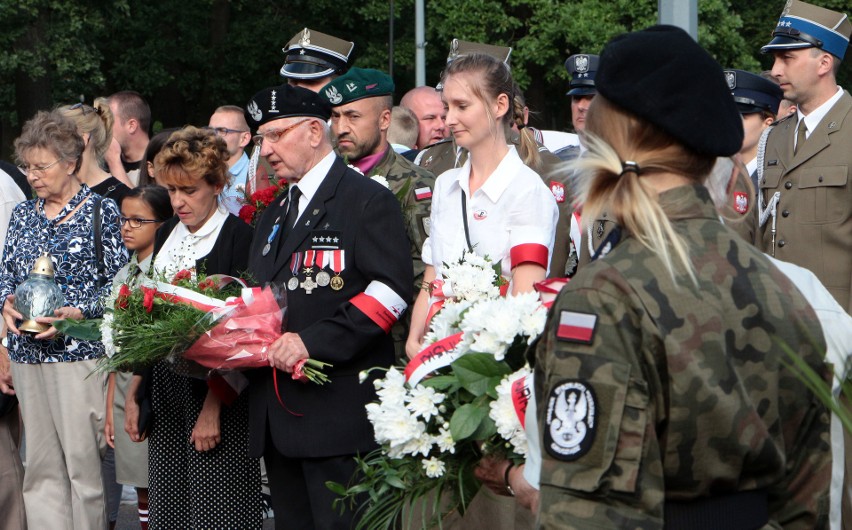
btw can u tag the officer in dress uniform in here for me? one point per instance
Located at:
(445, 155)
(661, 394)
(361, 101)
(757, 99)
(582, 68)
(805, 196)
(807, 158)
(335, 241)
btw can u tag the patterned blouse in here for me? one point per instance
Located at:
(72, 247)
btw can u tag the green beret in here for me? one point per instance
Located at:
(357, 83)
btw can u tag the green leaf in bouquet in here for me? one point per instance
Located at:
(487, 428)
(336, 488)
(395, 481)
(441, 383)
(466, 420)
(479, 372)
(80, 329)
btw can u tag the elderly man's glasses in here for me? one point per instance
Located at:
(273, 135)
(26, 170)
(224, 131)
(135, 222)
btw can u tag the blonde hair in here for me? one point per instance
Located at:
(615, 136)
(527, 146)
(96, 121)
(192, 154)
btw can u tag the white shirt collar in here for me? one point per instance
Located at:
(751, 167)
(498, 181)
(812, 120)
(310, 183)
(183, 248)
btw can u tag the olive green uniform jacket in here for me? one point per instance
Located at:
(652, 391)
(814, 215)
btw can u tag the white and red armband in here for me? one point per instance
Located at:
(530, 253)
(381, 304)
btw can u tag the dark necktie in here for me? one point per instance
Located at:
(292, 208)
(800, 135)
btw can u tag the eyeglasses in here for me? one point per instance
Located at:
(224, 131)
(84, 108)
(135, 222)
(26, 170)
(273, 135)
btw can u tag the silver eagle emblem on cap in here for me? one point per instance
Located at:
(333, 95)
(731, 78)
(581, 63)
(254, 111)
(306, 38)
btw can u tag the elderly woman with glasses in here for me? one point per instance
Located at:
(200, 474)
(62, 404)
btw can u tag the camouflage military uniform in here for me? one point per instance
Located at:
(414, 181)
(441, 156)
(654, 395)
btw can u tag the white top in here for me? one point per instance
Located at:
(10, 196)
(751, 167)
(512, 208)
(837, 329)
(183, 248)
(813, 119)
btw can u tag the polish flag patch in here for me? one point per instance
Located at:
(423, 193)
(576, 327)
(740, 202)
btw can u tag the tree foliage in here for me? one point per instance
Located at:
(189, 56)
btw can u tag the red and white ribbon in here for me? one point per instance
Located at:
(381, 304)
(548, 289)
(436, 355)
(521, 393)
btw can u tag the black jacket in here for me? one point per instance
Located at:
(367, 221)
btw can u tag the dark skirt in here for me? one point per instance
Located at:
(191, 489)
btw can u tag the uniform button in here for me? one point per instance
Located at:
(788, 185)
(782, 243)
(820, 178)
(785, 213)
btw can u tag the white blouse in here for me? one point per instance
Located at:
(511, 218)
(183, 248)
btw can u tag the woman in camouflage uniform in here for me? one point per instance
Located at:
(664, 397)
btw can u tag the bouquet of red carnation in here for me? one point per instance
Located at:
(257, 202)
(199, 324)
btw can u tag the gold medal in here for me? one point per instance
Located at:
(337, 283)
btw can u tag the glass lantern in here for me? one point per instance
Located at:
(38, 296)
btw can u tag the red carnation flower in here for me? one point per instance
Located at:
(148, 298)
(247, 213)
(123, 295)
(182, 274)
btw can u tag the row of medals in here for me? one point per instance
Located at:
(323, 279)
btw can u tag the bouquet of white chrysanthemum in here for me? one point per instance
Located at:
(459, 399)
(470, 279)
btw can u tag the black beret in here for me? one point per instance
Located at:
(285, 101)
(663, 76)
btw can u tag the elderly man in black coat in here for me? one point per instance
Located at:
(336, 241)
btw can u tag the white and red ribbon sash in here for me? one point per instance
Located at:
(435, 356)
(548, 289)
(576, 232)
(381, 304)
(176, 294)
(521, 392)
(529, 253)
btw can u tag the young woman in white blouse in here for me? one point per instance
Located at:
(493, 204)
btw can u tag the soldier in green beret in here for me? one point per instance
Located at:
(361, 101)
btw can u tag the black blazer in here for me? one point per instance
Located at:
(367, 220)
(230, 251)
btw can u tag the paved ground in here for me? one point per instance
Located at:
(128, 519)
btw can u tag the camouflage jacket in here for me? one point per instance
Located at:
(417, 185)
(653, 391)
